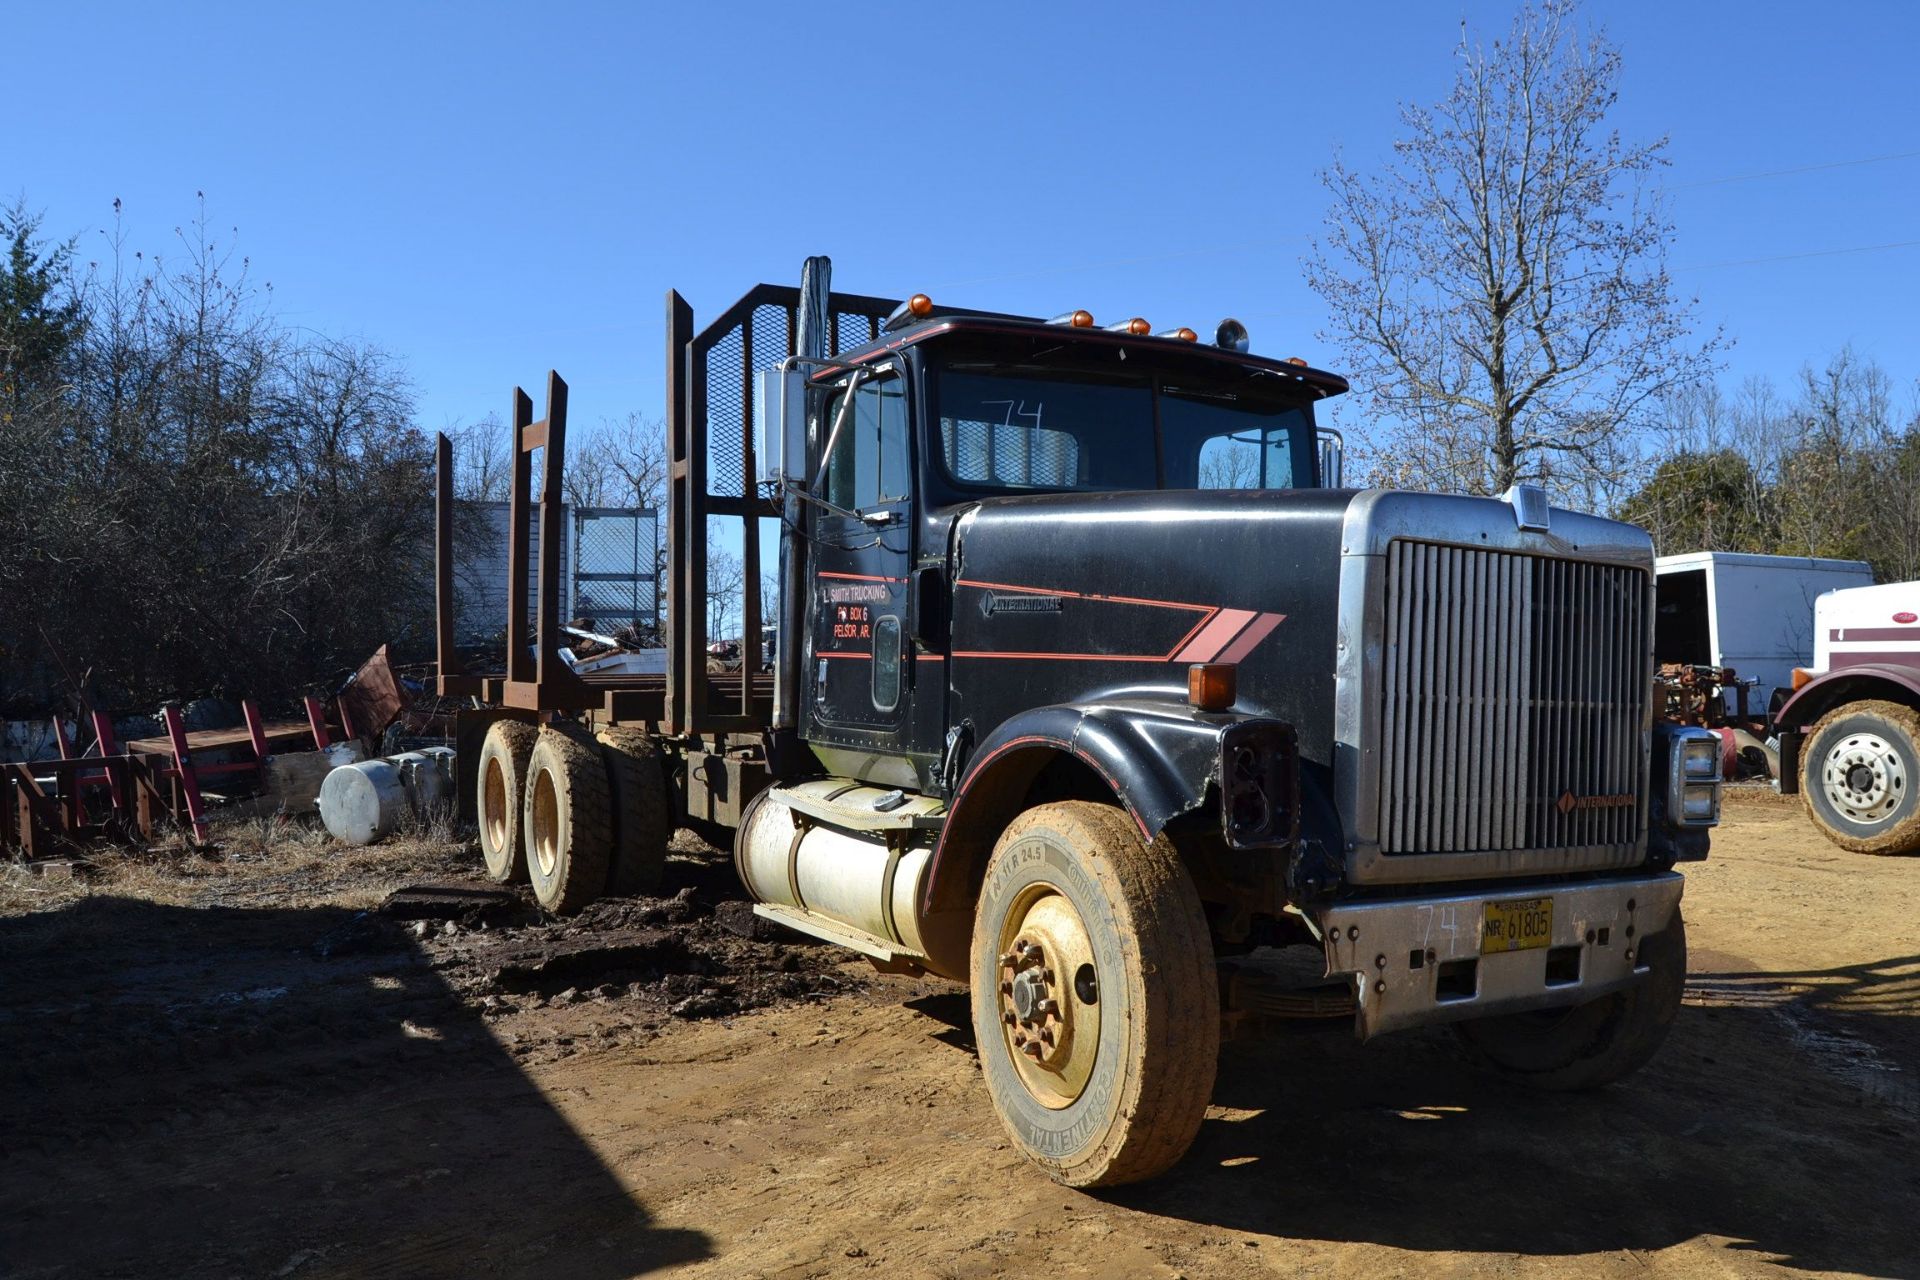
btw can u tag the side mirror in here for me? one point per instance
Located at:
(1333, 457)
(780, 425)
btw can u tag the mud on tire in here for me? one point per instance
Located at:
(1877, 745)
(567, 821)
(641, 812)
(502, 784)
(1564, 1050)
(1131, 1108)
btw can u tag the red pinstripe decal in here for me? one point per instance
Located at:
(1216, 636)
(1073, 657)
(1250, 638)
(843, 653)
(858, 577)
(1081, 595)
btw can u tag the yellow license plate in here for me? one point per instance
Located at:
(1518, 925)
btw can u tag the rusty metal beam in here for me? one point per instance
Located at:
(519, 528)
(552, 497)
(686, 659)
(443, 560)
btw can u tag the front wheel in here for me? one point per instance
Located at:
(1095, 1004)
(1592, 1044)
(1860, 775)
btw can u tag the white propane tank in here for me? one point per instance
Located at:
(360, 803)
(852, 878)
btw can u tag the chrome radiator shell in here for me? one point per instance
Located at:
(1493, 691)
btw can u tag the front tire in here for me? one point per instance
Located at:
(1589, 1045)
(1860, 777)
(1095, 1004)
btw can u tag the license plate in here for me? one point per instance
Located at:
(1518, 925)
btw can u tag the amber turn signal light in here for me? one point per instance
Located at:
(1296, 360)
(920, 305)
(1213, 686)
(1801, 676)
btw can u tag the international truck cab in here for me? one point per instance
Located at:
(1091, 685)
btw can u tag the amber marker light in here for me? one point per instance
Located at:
(1183, 333)
(1296, 361)
(1212, 686)
(920, 305)
(1138, 325)
(1078, 319)
(1801, 677)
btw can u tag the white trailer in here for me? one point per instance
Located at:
(1750, 612)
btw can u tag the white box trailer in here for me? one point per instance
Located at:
(1753, 613)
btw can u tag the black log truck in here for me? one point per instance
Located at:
(1092, 687)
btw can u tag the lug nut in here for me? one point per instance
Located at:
(1009, 1018)
(1046, 976)
(1019, 1037)
(1046, 1007)
(1006, 961)
(1032, 1049)
(1006, 988)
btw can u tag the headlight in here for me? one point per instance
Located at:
(1700, 803)
(1700, 757)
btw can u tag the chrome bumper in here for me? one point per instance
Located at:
(1417, 960)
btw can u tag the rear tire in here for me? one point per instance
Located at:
(1860, 777)
(642, 817)
(1115, 1091)
(502, 784)
(1589, 1045)
(567, 824)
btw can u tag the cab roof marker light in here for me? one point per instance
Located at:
(1078, 319)
(1134, 326)
(1183, 333)
(918, 307)
(1231, 335)
(1296, 360)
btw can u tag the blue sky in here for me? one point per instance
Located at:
(488, 190)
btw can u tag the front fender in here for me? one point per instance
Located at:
(1160, 758)
(1156, 755)
(1890, 681)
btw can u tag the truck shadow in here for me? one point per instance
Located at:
(246, 1091)
(1777, 1117)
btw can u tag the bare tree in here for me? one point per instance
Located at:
(1499, 287)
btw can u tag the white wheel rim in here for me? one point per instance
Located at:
(1864, 777)
(546, 824)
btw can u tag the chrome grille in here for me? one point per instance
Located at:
(1516, 688)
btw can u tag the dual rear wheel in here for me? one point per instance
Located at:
(573, 815)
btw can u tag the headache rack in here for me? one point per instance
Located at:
(711, 482)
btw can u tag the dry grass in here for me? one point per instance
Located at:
(252, 862)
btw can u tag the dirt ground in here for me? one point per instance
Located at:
(242, 1066)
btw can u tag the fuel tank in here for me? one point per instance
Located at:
(1069, 597)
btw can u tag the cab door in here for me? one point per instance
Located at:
(859, 668)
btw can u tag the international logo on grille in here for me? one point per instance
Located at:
(1568, 802)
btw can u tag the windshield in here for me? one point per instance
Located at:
(1049, 430)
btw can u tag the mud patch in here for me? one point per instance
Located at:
(694, 953)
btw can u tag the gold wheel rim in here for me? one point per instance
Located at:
(1048, 1026)
(496, 810)
(546, 823)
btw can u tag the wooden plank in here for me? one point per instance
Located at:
(279, 735)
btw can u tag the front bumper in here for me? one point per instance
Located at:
(1417, 960)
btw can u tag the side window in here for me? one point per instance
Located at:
(886, 663)
(1250, 459)
(868, 465)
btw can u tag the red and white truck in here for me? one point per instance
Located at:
(1850, 734)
